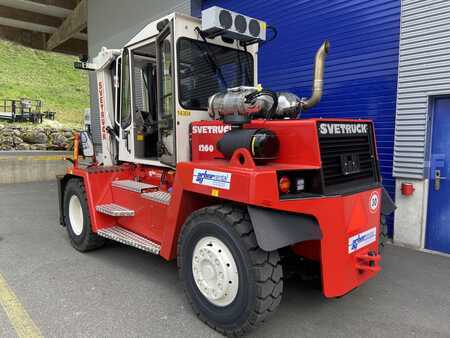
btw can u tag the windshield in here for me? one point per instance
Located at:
(205, 69)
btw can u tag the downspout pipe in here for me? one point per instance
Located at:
(319, 67)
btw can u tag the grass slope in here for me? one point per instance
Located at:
(47, 76)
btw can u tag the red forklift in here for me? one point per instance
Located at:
(194, 161)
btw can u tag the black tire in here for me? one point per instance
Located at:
(86, 240)
(260, 272)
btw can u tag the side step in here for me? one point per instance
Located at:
(157, 196)
(127, 237)
(112, 209)
(132, 185)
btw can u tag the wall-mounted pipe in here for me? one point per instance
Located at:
(319, 68)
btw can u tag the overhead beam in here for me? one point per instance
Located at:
(8, 22)
(36, 7)
(22, 15)
(38, 40)
(72, 25)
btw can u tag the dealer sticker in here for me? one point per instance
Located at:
(362, 239)
(211, 178)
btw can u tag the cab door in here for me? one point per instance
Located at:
(166, 95)
(124, 106)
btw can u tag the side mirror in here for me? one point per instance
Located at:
(86, 144)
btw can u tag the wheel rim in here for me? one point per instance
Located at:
(76, 215)
(215, 271)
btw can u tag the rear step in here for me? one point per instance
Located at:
(112, 209)
(127, 237)
(132, 185)
(157, 196)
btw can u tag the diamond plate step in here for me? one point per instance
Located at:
(127, 237)
(132, 185)
(112, 209)
(158, 196)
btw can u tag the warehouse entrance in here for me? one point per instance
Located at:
(438, 220)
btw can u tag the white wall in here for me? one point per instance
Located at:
(411, 214)
(112, 23)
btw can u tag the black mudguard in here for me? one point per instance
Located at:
(62, 180)
(387, 204)
(61, 183)
(276, 229)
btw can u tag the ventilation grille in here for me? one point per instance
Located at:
(334, 149)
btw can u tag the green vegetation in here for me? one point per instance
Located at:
(46, 76)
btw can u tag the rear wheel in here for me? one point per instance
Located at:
(230, 282)
(76, 218)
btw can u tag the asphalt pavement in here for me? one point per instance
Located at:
(119, 291)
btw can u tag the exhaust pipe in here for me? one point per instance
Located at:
(319, 66)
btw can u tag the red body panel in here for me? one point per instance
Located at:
(340, 217)
(299, 144)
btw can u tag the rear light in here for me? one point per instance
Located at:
(284, 184)
(294, 184)
(300, 184)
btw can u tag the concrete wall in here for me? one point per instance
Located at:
(18, 166)
(411, 214)
(112, 23)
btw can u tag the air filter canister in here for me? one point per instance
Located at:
(262, 144)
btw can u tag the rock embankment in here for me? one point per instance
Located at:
(13, 137)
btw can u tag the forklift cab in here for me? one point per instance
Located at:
(162, 81)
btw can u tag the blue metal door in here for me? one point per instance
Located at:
(438, 220)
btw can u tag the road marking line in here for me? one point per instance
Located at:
(18, 316)
(32, 158)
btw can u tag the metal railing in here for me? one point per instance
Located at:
(23, 110)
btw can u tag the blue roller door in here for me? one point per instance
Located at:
(361, 71)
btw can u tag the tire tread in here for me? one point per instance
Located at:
(266, 268)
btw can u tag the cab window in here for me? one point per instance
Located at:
(205, 69)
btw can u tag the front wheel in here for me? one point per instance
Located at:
(230, 282)
(76, 218)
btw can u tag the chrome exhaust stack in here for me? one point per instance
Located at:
(319, 68)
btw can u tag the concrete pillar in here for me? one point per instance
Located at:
(411, 214)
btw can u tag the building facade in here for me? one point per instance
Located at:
(422, 152)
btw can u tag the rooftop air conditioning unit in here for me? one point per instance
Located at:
(219, 21)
